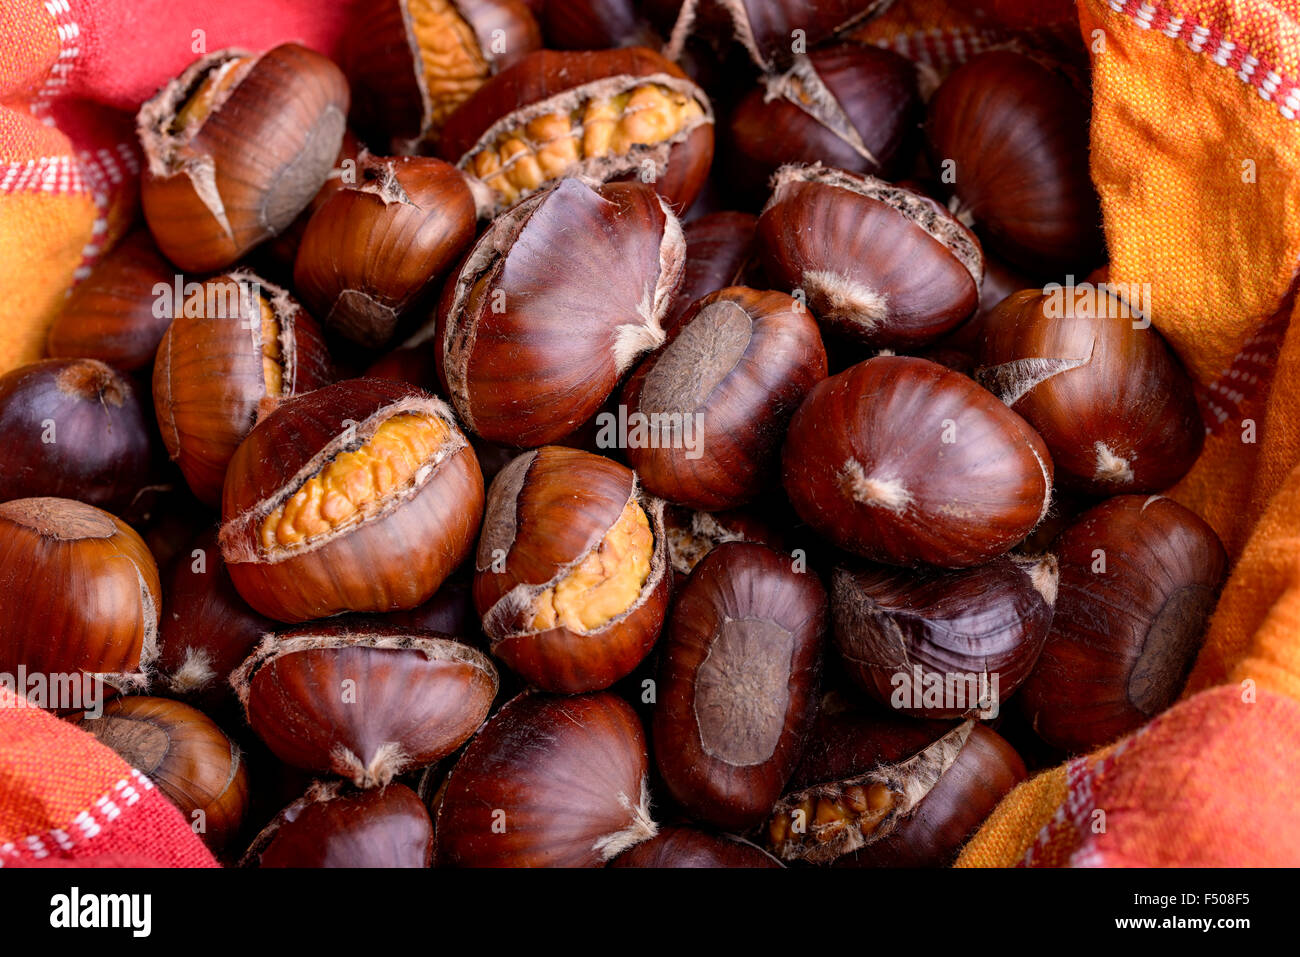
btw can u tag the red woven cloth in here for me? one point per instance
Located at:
(67, 799)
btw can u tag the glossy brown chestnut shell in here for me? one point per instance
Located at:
(551, 519)
(943, 644)
(73, 428)
(708, 411)
(412, 62)
(331, 826)
(206, 629)
(535, 122)
(720, 252)
(372, 250)
(1015, 133)
(186, 755)
(595, 25)
(767, 29)
(112, 314)
(877, 791)
(905, 462)
(85, 593)
(1100, 385)
(549, 782)
(391, 551)
(367, 703)
(691, 847)
(223, 177)
(738, 683)
(878, 264)
(850, 106)
(530, 344)
(238, 346)
(1139, 578)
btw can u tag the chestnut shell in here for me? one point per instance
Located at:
(549, 782)
(738, 683)
(394, 558)
(905, 462)
(1139, 578)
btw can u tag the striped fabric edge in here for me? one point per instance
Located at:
(1269, 82)
(86, 825)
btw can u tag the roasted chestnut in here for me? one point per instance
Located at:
(83, 596)
(738, 683)
(365, 704)
(361, 496)
(720, 252)
(772, 31)
(878, 264)
(112, 315)
(707, 413)
(186, 755)
(905, 462)
(73, 428)
(1010, 133)
(206, 629)
(549, 782)
(373, 249)
(875, 791)
(412, 62)
(235, 148)
(571, 572)
(691, 847)
(1139, 578)
(1101, 386)
(238, 346)
(331, 826)
(850, 106)
(943, 644)
(602, 114)
(530, 345)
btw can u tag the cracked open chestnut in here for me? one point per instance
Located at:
(73, 428)
(769, 30)
(1139, 578)
(1013, 131)
(878, 264)
(372, 250)
(235, 148)
(530, 345)
(238, 346)
(905, 462)
(738, 682)
(943, 644)
(716, 401)
(361, 496)
(848, 105)
(412, 62)
(186, 755)
(570, 575)
(85, 593)
(549, 782)
(876, 791)
(366, 702)
(1101, 386)
(601, 114)
(332, 826)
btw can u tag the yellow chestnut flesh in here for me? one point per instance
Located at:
(356, 483)
(604, 584)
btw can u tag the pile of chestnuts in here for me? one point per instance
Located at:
(584, 432)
